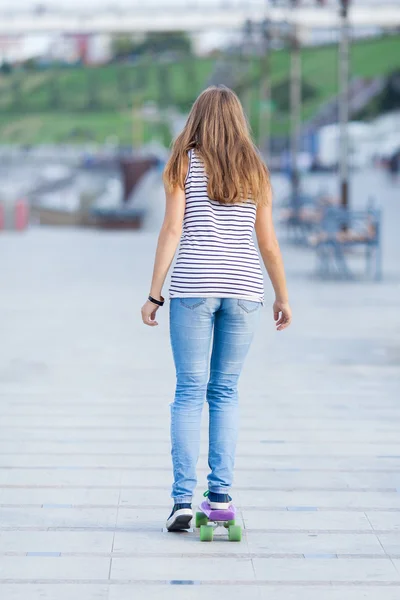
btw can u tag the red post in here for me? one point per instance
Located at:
(21, 214)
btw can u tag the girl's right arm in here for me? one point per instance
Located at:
(168, 241)
(272, 257)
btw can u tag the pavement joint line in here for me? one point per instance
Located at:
(93, 410)
(184, 582)
(323, 556)
(237, 555)
(101, 409)
(135, 427)
(311, 442)
(389, 456)
(158, 506)
(381, 545)
(44, 554)
(245, 427)
(131, 408)
(289, 488)
(239, 469)
(113, 537)
(279, 488)
(366, 393)
(133, 415)
(209, 583)
(156, 529)
(54, 505)
(239, 454)
(302, 508)
(203, 469)
(254, 400)
(164, 468)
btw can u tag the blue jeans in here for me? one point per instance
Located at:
(193, 321)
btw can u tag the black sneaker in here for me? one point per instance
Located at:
(180, 517)
(218, 501)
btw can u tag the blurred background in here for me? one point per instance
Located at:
(91, 96)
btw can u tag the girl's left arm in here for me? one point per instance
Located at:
(168, 241)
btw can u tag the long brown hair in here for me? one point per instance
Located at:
(218, 130)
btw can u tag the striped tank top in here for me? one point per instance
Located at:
(217, 256)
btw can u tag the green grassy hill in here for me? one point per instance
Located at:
(79, 104)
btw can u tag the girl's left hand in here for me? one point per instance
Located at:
(149, 310)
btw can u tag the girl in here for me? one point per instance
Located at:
(217, 192)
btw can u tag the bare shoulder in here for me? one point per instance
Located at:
(180, 172)
(185, 164)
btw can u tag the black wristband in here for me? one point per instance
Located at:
(158, 302)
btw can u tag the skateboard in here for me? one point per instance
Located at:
(209, 520)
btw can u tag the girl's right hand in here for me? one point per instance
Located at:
(149, 313)
(282, 315)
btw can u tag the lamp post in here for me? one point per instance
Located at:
(344, 103)
(246, 61)
(295, 107)
(264, 127)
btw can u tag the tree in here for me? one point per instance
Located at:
(123, 46)
(5, 68)
(157, 42)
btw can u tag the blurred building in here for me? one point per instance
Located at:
(90, 49)
(377, 140)
(18, 48)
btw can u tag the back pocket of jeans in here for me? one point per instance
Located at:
(249, 306)
(192, 303)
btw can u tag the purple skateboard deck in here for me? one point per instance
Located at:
(217, 514)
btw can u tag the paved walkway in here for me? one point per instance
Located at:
(84, 449)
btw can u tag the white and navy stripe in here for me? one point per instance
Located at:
(217, 256)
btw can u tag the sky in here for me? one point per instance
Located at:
(159, 3)
(79, 7)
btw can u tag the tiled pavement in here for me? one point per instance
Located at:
(84, 450)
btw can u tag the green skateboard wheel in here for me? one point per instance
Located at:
(229, 523)
(201, 519)
(206, 533)
(235, 533)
